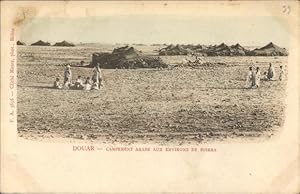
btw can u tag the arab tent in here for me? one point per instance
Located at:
(238, 50)
(174, 50)
(126, 52)
(64, 43)
(270, 50)
(219, 50)
(126, 58)
(40, 43)
(20, 43)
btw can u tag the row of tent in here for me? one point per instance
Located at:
(223, 50)
(42, 43)
(216, 50)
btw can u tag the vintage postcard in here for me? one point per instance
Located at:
(150, 96)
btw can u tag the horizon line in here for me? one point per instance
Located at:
(150, 44)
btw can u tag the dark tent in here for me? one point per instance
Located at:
(126, 58)
(126, 51)
(40, 43)
(238, 50)
(269, 50)
(64, 43)
(20, 43)
(174, 50)
(225, 50)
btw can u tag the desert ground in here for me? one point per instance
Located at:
(177, 105)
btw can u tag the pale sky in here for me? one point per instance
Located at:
(150, 29)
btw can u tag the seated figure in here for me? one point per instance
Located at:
(57, 84)
(88, 83)
(78, 84)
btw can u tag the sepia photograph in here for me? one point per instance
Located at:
(166, 80)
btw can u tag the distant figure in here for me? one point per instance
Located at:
(265, 76)
(197, 59)
(257, 77)
(271, 72)
(97, 76)
(68, 75)
(281, 75)
(56, 84)
(81, 63)
(88, 83)
(79, 84)
(250, 78)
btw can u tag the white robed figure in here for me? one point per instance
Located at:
(281, 75)
(257, 77)
(68, 76)
(97, 76)
(271, 72)
(250, 78)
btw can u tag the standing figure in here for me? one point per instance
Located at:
(271, 72)
(257, 77)
(97, 76)
(281, 75)
(68, 76)
(249, 79)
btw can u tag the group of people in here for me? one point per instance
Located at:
(93, 83)
(254, 76)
